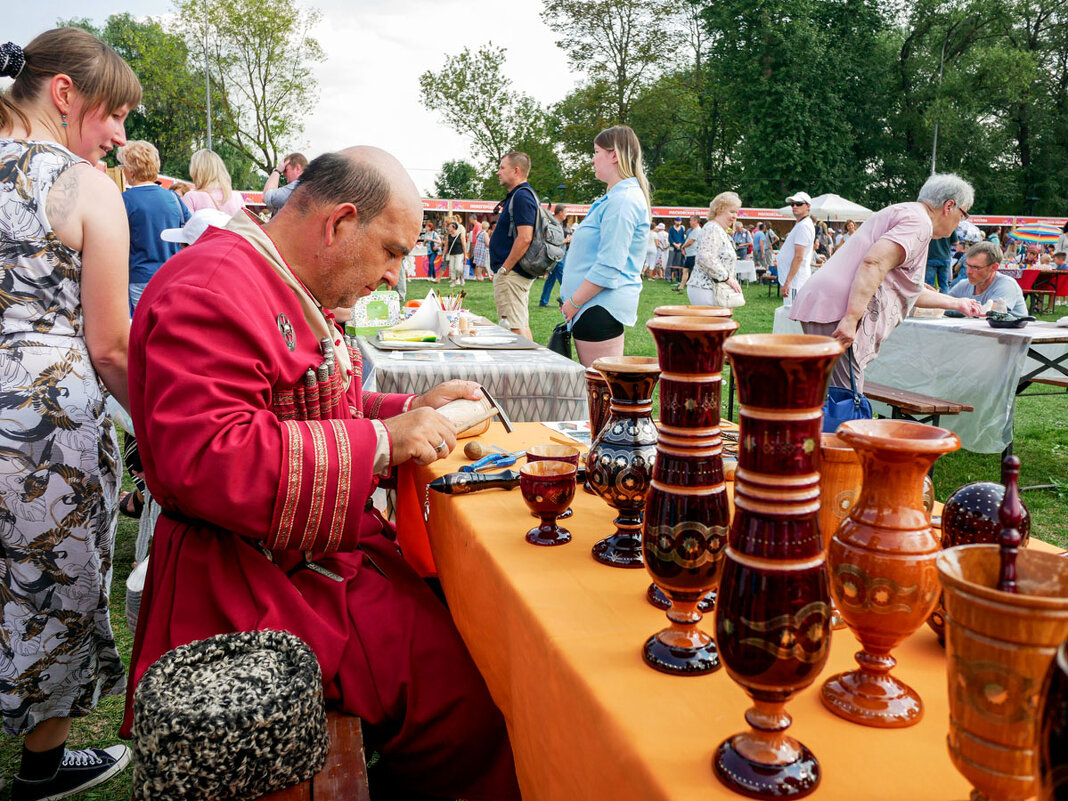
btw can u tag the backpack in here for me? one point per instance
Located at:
(546, 247)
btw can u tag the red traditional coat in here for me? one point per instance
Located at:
(219, 344)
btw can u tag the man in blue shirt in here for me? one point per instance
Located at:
(511, 283)
(986, 283)
(759, 243)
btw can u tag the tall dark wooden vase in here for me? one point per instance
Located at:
(620, 462)
(773, 616)
(686, 513)
(599, 396)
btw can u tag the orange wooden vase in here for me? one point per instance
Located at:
(840, 481)
(999, 646)
(882, 564)
(692, 311)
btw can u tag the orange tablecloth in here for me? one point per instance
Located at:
(558, 636)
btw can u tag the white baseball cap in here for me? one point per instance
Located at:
(661, 227)
(195, 226)
(799, 197)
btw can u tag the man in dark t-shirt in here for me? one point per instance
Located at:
(676, 239)
(511, 283)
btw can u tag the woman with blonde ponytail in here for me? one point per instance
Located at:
(603, 267)
(64, 328)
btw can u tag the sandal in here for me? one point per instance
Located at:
(131, 505)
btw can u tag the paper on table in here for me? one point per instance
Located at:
(578, 430)
(427, 317)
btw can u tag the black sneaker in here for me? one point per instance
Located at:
(79, 771)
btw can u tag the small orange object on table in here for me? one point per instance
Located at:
(558, 638)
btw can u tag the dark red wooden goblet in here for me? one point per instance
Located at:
(555, 453)
(548, 488)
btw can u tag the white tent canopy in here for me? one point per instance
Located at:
(835, 208)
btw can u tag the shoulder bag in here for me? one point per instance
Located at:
(726, 297)
(845, 404)
(560, 340)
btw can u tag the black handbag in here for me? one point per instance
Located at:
(560, 340)
(845, 404)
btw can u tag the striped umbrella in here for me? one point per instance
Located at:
(1037, 233)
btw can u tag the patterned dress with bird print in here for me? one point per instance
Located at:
(59, 464)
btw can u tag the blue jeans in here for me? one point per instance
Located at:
(941, 270)
(551, 277)
(430, 259)
(136, 291)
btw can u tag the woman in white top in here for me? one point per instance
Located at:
(716, 257)
(850, 229)
(212, 187)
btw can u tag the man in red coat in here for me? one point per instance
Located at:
(263, 451)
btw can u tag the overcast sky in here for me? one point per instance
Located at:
(375, 52)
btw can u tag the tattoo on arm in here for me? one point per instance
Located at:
(62, 198)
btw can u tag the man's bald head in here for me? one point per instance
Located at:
(367, 177)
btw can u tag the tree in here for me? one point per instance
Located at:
(260, 54)
(475, 99)
(1038, 38)
(457, 180)
(803, 81)
(169, 115)
(618, 43)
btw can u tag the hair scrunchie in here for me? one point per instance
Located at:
(12, 60)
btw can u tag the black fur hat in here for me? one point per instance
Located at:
(231, 717)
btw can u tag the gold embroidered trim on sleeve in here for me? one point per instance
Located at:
(293, 463)
(344, 484)
(318, 490)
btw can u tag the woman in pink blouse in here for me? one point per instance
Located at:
(872, 281)
(212, 187)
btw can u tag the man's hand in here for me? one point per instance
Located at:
(449, 391)
(846, 331)
(785, 291)
(422, 435)
(969, 307)
(282, 165)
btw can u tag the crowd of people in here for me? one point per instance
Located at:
(234, 366)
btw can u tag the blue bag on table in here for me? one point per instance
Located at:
(845, 404)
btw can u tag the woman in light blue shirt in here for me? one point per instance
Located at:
(603, 267)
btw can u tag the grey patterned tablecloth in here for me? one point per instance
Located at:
(531, 385)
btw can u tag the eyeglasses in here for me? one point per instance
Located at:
(963, 213)
(798, 203)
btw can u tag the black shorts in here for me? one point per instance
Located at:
(689, 262)
(596, 325)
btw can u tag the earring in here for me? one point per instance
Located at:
(64, 116)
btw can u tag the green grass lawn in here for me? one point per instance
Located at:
(1041, 443)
